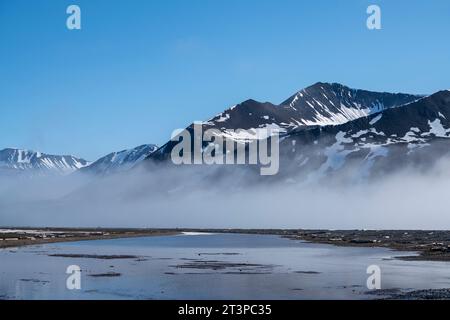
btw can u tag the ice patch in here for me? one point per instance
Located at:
(376, 119)
(360, 133)
(263, 132)
(437, 129)
(375, 152)
(223, 117)
(336, 153)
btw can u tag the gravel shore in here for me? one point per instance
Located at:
(17, 237)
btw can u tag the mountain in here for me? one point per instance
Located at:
(331, 104)
(326, 128)
(321, 104)
(120, 161)
(415, 135)
(13, 161)
(387, 135)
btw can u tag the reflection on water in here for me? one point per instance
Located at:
(213, 266)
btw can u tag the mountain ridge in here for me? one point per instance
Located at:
(120, 160)
(22, 160)
(417, 134)
(321, 107)
(320, 104)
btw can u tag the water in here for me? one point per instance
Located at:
(214, 266)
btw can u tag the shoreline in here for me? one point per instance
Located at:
(26, 236)
(430, 245)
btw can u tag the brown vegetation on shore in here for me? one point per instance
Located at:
(17, 237)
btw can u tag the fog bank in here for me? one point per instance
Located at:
(199, 197)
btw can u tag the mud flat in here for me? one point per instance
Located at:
(397, 294)
(95, 256)
(223, 265)
(17, 237)
(431, 245)
(105, 275)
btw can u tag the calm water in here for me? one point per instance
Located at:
(214, 266)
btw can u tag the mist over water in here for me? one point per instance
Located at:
(228, 197)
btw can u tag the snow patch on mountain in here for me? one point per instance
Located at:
(263, 132)
(376, 119)
(336, 153)
(437, 129)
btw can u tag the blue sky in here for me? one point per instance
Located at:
(140, 68)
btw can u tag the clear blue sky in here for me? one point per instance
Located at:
(140, 68)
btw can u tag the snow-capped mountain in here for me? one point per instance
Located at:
(386, 135)
(321, 104)
(120, 161)
(14, 161)
(331, 104)
(415, 135)
(326, 129)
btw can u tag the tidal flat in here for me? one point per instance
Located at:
(228, 266)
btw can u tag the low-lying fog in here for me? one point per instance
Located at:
(195, 197)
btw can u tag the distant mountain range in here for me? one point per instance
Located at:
(326, 128)
(17, 161)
